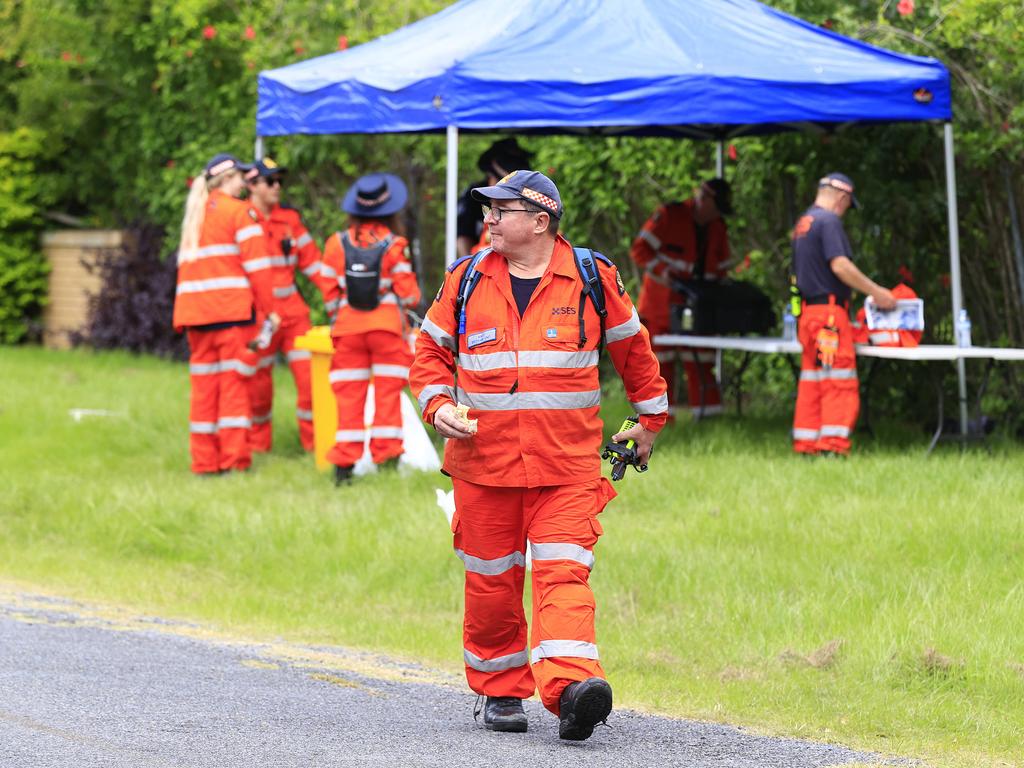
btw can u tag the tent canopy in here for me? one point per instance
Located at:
(698, 68)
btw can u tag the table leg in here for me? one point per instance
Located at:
(866, 410)
(939, 426)
(739, 382)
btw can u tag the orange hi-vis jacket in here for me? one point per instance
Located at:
(229, 274)
(398, 286)
(284, 227)
(666, 249)
(883, 338)
(531, 383)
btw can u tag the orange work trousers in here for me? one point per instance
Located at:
(262, 386)
(827, 399)
(491, 525)
(699, 365)
(384, 356)
(219, 418)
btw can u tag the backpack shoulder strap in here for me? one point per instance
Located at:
(587, 265)
(467, 283)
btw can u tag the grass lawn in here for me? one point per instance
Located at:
(876, 602)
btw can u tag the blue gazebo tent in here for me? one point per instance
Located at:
(703, 69)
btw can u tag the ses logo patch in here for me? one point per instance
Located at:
(563, 311)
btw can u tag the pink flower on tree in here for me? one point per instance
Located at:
(342, 42)
(732, 152)
(905, 7)
(209, 32)
(65, 56)
(250, 33)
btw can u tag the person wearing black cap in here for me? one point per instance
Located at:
(525, 348)
(368, 280)
(289, 245)
(500, 158)
(828, 397)
(223, 282)
(682, 242)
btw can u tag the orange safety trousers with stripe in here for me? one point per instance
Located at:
(491, 526)
(220, 366)
(827, 399)
(701, 369)
(262, 385)
(385, 356)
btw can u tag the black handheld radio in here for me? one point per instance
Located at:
(622, 455)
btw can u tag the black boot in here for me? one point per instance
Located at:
(504, 713)
(342, 475)
(582, 706)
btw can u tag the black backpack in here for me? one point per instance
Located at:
(586, 265)
(362, 271)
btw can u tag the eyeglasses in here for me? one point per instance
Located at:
(497, 213)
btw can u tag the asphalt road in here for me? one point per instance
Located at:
(84, 685)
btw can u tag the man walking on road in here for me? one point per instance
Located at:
(525, 459)
(828, 397)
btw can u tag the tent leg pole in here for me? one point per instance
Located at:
(954, 266)
(257, 151)
(720, 159)
(451, 195)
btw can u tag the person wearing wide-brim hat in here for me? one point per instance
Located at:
(497, 161)
(368, 280)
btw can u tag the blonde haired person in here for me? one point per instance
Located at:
(223, 286)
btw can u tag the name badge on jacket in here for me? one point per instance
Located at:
(481, 337)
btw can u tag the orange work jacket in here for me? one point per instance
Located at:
(229, 274)
(532, 381)
(881, 338)
(284, 228)
(666, 250)
(398, 286)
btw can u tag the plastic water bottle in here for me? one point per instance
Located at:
(963, 329)
(687, 320)
(788, 324)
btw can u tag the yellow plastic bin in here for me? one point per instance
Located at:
(325, 410)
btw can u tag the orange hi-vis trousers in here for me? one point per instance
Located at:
(386, 357)
(261, 389)
(827, 399)
(219, 418)
(701, 369)
(491, 526)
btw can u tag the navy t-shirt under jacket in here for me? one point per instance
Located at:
(818, 238)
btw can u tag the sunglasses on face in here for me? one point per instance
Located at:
(271, 181)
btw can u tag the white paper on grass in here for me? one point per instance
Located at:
(419, 451)
(907, 316)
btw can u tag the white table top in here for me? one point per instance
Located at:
(774, 345)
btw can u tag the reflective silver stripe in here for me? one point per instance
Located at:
(213, 284)
(548, 649)
(255, 265)
(312, 269)
(349, 374)
(551, 359)
(810, 375)
(298, 354)
(493, 567)
(389, 298)
(651, 239)
(651, 406)
(327, 271)
(234, 422)
(834, 430)
(525, 401)
(303, 415)
(267, 362)
(387, 433)
(562, 552)
(826, 374)
(497, 664)
(238, 367)
(203, 369)
(402, 267)
(805, 434)
(392, 371)
(702, 357)
(385, 283)
(665, 357)
(619, 332)
(262, 418)
(202, 427)
(217, 250)
(350, 436)
(440, 336)
(677, 264)
(281, 292)
(407, 301)
(332, 305)
(246, 233)
(303, 241)
(431, 391)
(490, 361)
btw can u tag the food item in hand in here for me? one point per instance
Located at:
(462, 414)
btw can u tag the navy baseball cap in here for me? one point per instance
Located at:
(841, 182)
(224, 162)
(264, 167)
(532, 186)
